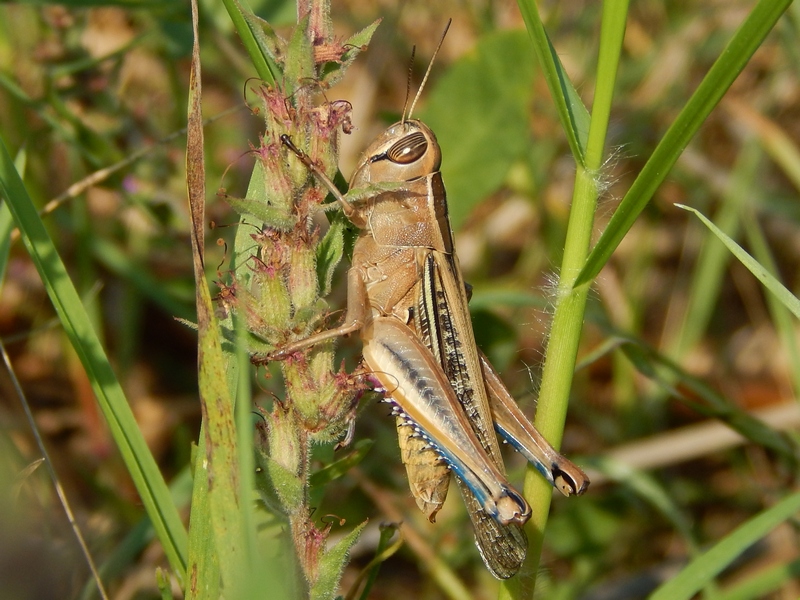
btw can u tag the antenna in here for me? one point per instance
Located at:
(428, 72)
(408, 82)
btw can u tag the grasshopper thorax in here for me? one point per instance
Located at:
(406, 151)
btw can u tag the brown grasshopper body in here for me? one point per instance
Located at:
(407, 297)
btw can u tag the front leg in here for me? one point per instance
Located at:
(358, 313)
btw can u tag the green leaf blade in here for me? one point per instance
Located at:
(702, 570)
(77, 325)
(769, 281)
(715, 84)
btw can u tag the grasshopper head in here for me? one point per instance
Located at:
(405, 151)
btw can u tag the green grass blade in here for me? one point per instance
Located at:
(722, 74)
(77, 325)
(571, 111)
(703, 569)
(255, 42)
(7, 223)
(785, 297)
(763, 583)
(705, 400)
(780, 315)
(615, 14)
(713, 260)
(137, 538)
(204, 576)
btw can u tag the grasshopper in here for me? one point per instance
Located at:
(407, 298)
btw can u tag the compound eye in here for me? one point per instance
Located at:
(409, 149)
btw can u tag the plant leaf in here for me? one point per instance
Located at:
(703, 569)
(329, 253)
(338, 468)
(715, 84)
(574, 117)
(655, 366)
(786, 297)
(353, 46)
(331, 565)
(261, 42)
(78, 326)
(261, 211)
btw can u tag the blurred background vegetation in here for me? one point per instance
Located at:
(87, 86)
